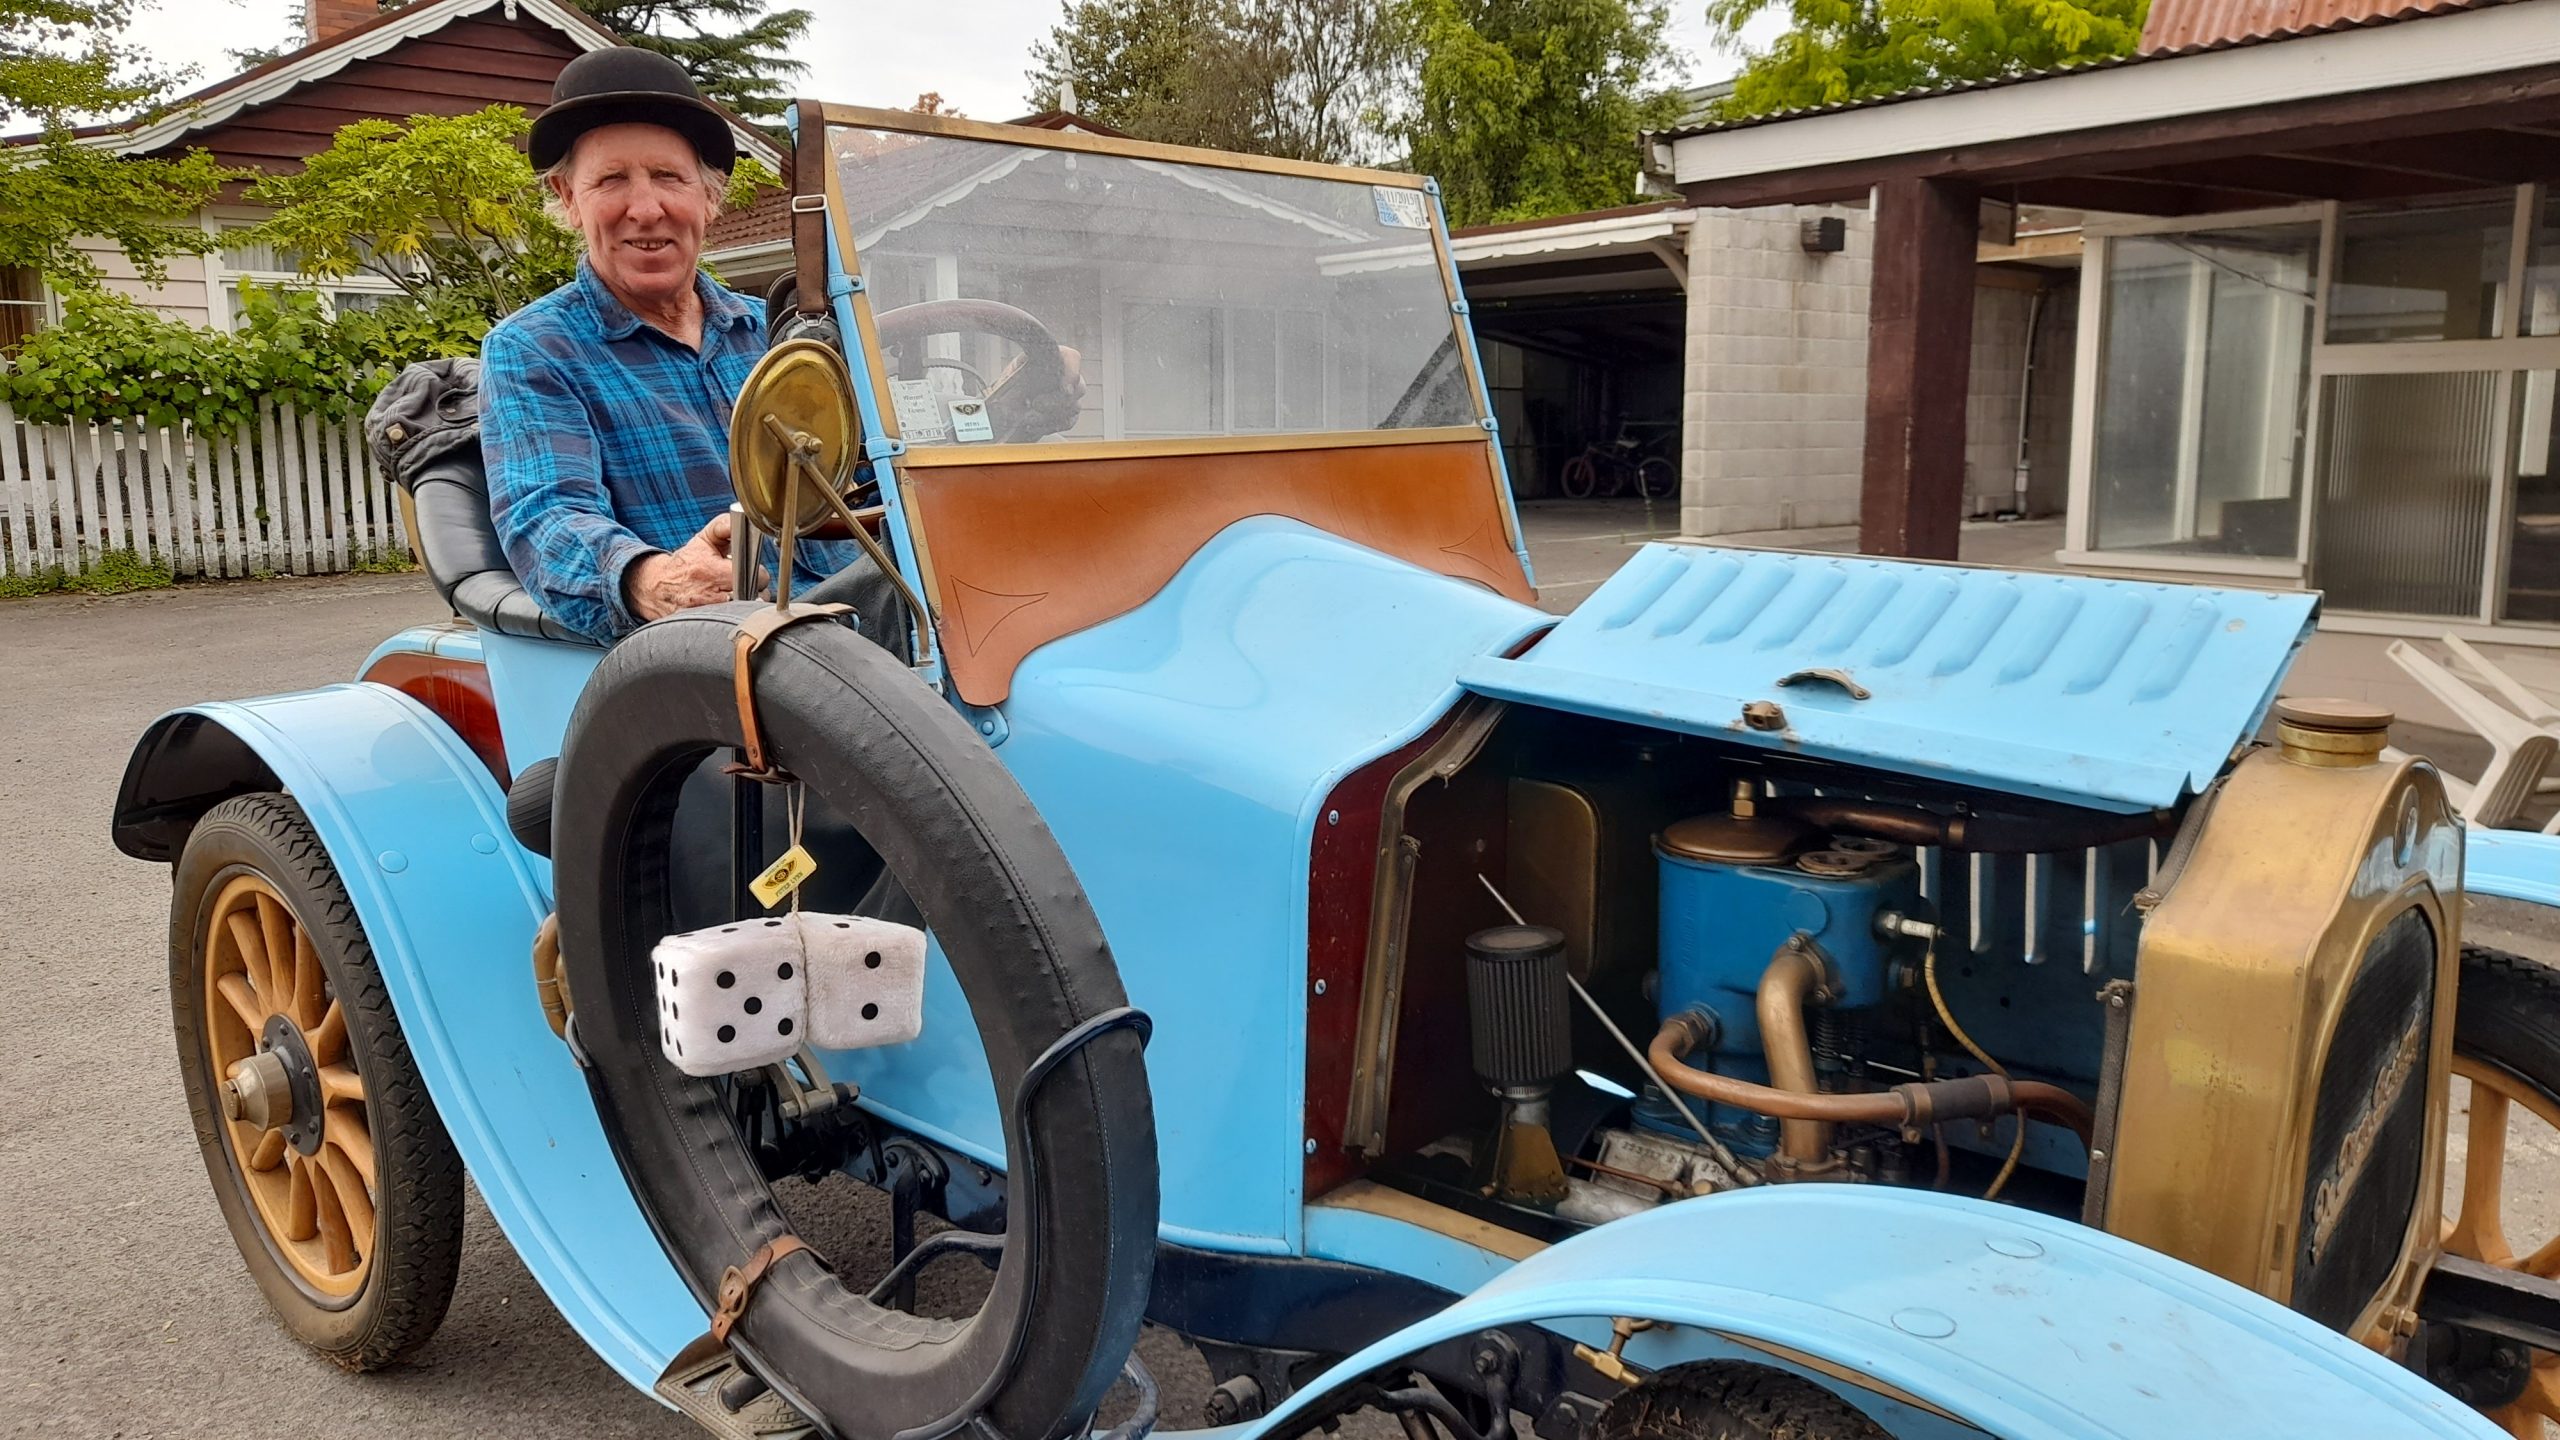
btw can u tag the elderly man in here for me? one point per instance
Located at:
(605, 404)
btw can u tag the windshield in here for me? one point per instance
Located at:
(1189, 300)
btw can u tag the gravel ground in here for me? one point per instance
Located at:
(129, 1315)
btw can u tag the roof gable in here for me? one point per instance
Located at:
(444, 57)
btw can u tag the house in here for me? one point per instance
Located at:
(2310, 321)
(435, 57)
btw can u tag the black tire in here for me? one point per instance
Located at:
(895, 761)
(1731, 1400)
(408, 1279)
(2507, 1014)
(2507, 1017)
(1655, 479)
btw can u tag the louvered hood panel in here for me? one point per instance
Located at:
(2108, 693)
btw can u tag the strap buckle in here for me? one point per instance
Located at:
(753, 631)
(738, 1283)
(808, 204)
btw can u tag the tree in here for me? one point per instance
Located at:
(1305, 79)
(61, 60)
(1842, 50)
(445, 207)
(1531, 108)
(746, 68)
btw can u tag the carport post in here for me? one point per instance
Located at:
(1919, 353)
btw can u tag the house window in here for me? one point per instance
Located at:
(2201, 392)
(23, 306)
(2385, 430)
(268, 267)
(1221, 370)
(2430, 273)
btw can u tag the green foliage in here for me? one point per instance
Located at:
(745, 68)
(112, 357)
(113, 573)
(1843, 50)
(443, 206)
(60, 61)
(1306, 79)
(1531, 108)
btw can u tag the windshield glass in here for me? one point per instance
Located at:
(1190, 300)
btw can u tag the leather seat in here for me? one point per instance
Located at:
(425, 429)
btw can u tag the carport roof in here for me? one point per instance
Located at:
(2362, 106)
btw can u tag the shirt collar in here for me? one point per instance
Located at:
(722, 308)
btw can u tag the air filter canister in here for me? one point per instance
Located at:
(1517, 1005)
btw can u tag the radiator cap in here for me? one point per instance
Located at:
(2331, 733)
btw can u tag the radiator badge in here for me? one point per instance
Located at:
(2355, 1150)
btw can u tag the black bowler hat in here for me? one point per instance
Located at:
(626, 85)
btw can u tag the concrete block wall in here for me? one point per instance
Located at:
(1773, 410)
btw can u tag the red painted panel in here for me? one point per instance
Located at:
(458, 692)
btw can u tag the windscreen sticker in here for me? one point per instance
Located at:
(921, 418)
(1401, 208)
(969, 419)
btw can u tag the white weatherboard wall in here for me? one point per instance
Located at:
(1774, 406)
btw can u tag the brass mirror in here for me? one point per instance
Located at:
(797, 402)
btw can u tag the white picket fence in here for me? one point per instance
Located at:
(289, 494)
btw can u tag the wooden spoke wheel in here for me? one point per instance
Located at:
(2507, 1049)
(337, 1181)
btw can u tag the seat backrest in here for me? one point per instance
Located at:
(425, 429)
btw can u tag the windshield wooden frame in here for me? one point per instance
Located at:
(874, 358)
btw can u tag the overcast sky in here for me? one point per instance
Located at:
(865, 52)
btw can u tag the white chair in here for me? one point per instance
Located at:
(2519, 750)
(2533, 706)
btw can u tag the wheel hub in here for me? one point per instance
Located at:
(278, 1088)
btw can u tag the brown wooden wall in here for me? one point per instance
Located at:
(465, 66)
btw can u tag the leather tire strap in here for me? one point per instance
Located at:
(753, 631)
(808, 209)
(738, 1284)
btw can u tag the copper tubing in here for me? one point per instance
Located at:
(1793, 978)
(1984, 834)
(1913, 1106)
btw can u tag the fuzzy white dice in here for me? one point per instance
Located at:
(866, 981)
(747, 994)
(732, 997)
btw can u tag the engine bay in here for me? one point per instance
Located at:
(1669, 966)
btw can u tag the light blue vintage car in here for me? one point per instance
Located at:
(1790, 996)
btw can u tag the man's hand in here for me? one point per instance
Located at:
(656, 586)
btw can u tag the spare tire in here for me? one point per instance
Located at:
(894, 759)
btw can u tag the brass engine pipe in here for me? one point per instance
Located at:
(1983, 834)
(1793, 979)
(1913, 1106)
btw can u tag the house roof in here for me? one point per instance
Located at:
(229, 100)
(2344, 15)
(2367, 107)
(2175, 25)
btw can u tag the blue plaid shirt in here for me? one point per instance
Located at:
(607, 440)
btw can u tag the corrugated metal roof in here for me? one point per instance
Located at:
(2109, 693)
(2389, 15)
(2188, 24)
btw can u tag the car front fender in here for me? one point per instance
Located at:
(2018, 1324)
(449, 902)
(2512, 865)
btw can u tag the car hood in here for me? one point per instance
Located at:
(2114, 694)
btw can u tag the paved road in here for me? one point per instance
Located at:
(127, 1313)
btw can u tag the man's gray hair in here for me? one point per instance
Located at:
(713, 183)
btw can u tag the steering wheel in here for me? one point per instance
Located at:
(1038, 394)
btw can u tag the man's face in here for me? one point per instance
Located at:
(637, 195)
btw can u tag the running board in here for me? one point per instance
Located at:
(702, 1381)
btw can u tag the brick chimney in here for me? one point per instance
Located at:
(329, 19)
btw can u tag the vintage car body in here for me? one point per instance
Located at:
(1230, 724)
